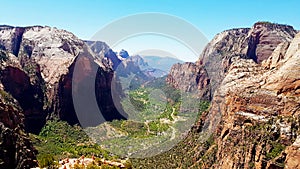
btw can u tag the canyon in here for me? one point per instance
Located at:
(250, 76)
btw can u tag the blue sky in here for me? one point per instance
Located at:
(84, 18)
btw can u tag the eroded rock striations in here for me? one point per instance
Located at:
(40, 73)
(254, 117)
(16, 150)
(258, 106)
(256, 43)
(191, 78)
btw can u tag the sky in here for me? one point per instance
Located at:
(84, 18)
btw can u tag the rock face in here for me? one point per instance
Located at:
(256, 43)
(43, 54)
(257, 107)
(264, 38)
(190, 78)
(144, 67)
(102, 51)
(16, 150)
(52, 49)
(254, 116)
(253, 74)
(139, 61)
(30, 96)
(39, 72)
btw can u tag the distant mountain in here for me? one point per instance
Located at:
(139, 61)
(144, 66)
(162, 63)
(153, 66)
(152, 72)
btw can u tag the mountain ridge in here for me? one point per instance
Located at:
(253, 120)
(250, 75)
(242, 42)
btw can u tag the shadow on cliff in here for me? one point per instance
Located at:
(84, 95)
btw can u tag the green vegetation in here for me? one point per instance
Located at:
(147, 108)
(133, 128)
(157, 127)
(47, 160)
(30, 67)
(139, 99)
(58, 140)
(6, 96)
(92, 166)
(269, 134)
(171, 93)
(251, 164)
(203, 106)
(210, 141)
(264, 22)
(192, 152)
(158, 115)
(277, 148)
(162, 117)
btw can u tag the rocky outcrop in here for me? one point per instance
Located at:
(43, 54)
(121, 64)
(216, 57)
(16, 150)
(143, 66)
(138, 60)
(254, 117)
(52, 49)
(256, 43)
(30, 96)
(264, 38)
(88, 80)
(39, 74)
(190, 78)
(257, 110)
(106, 55)
(293, 155)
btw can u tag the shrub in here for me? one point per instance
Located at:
(128, 164)
(46, 160)
(7, 97)
(92, 166)
(275, 151)
(264, 22)
(62, 140)
(204, 105)
(78, 166)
